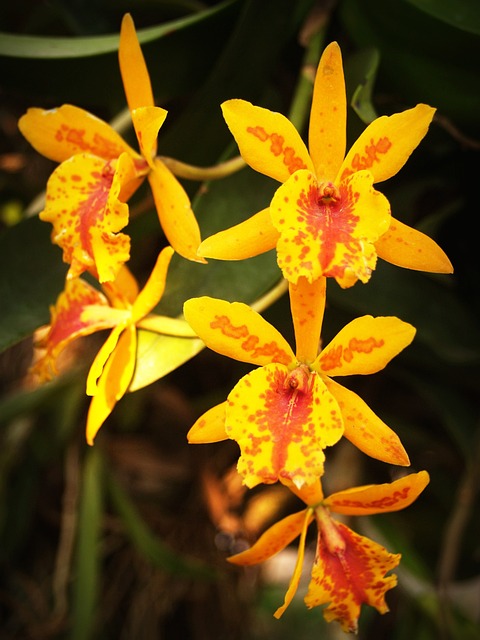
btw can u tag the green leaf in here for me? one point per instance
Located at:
(32, 275)
(462, 14)
(361, 72)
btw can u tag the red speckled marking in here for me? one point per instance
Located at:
(369, 157)
(278, 148)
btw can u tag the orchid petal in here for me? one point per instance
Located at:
(210, 427)
(328, 115)
(123, 291)
(98, 365)
(378, 498)
(274, 539)
(175, 212)
(59, 134)
(153, 290)
(245, 240)
(114, 381)
(267, 140)
(297, 572)
(328, 231)
(135, 76)
(311, 494)
(406, 247)
(365, 345)
(234, 330)
(307, 302)
(387, 143)
(364, 428)
(147, 122)
(282, 421)
(349, 577)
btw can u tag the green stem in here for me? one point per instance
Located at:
(191, 172)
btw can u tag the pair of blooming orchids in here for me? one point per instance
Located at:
(325, 220)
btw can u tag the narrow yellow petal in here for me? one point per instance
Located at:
(175, 212)
(135, 76)
(406, 247)
(249, 238)
(101, 358)
(297, 572)
(235, 330)
(365, 345)
(387, 143)
(153, 290)
(147, 122)
(114, 381)
(328, 116)
(267, 140)
(274, 539)
(307, 302)
(123, 291)
(61, 133)
(364, 428)
(210, 427)
(379, 498)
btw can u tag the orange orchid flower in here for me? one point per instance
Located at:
(284, 413)
(327, 219)
(87, 193)
(82, 310)
(349, 570)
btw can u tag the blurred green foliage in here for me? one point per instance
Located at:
(118, 541)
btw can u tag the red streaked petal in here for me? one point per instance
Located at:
(328, 115)
(349, 576)
(406, 247)
(175, 212)
(135, 76)
(237, 331)
(210, 427)
(365, 345)
(282, 421)
(61, 133)
(267, 140)
(114, 381)
(327, 230)
(387, 143)
(250, 238)
(364, 428)
(274, 539)
(378, 498)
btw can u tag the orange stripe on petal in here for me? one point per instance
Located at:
(350, 577)
(364, 428)
(267, 140)
(328, 116)
(61, 133)
(406, 247)
(379, 498)
(235, 330)
(245, 240)
(135, 76)
(282, 421)
(365, 345)
(210, 427)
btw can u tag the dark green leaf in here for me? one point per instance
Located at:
(463, 14)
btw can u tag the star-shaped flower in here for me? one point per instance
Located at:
(82, 310)
(284, 413)
(327, 219)
(87, 193)
(349, 569)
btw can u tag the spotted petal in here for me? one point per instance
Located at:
(114, 381)
(364, 428)
(328, 231)
(365, 345)
(282, 421)
(210, 427)
(379, 498)
(267, 140)
(135, 76)
(349, 577)
(387, 143)
(59, 134)
(235, 330)
(406, 247)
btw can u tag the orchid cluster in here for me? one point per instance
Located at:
(326, 220)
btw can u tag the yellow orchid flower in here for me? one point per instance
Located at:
(82, 310)
(350, 569)
(326, 219)
(284, 413)
(99, 171)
